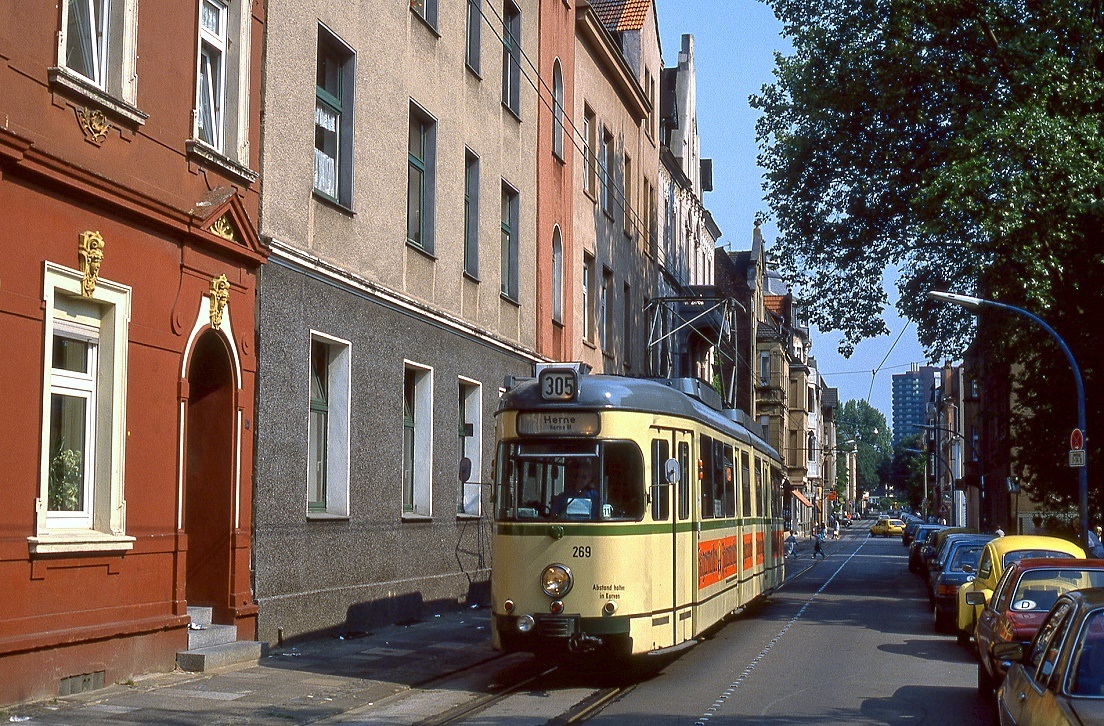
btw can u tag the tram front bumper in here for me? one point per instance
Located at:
(563, 633)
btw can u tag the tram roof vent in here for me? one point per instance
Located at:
(699, 389)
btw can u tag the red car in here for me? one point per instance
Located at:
(1020, 602)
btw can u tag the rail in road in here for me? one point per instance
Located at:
(844, 640)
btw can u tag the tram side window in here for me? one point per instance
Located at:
(684, 480)
(718, 479)
(729, 482)
(776, 491)
(760, 488)
(661, 490)
(624, 482)
(705, 476)
(745, 482)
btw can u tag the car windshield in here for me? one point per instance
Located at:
(1017, 555)
(569, 481)
(1088, 668)
(966, 555)
(1038, 590)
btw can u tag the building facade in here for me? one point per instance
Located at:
(128, 184)
(911, 392)
(401, 212)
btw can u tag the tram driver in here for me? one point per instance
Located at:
(580, 498)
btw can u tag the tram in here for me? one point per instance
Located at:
(630, 515)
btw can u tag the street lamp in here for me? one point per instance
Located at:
(974, 304)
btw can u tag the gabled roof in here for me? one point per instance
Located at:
(621, 15)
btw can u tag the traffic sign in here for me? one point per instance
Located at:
(1077, 458)
(1077, 441)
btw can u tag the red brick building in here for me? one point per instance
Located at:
(128, 259)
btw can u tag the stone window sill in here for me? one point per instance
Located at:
(84, 541)
(198, 149)
(63, 78)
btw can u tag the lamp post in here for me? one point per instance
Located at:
(974, 304)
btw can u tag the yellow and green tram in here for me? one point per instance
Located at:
(630, 517)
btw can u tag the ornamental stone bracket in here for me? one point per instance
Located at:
(90, 253)
(94, 124)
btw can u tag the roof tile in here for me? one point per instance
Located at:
(621, 15)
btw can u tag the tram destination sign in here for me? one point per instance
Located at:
(556, 423)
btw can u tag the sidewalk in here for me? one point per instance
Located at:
(297, 684)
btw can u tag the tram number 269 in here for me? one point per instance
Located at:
(578, 551)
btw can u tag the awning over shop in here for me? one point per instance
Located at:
(801, 498)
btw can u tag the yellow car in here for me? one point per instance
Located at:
(886, 527)
(997, 555)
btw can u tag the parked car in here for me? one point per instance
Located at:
(913, 524)
(1026, 592)
(1059, 677)
(958, 566)
(916, 560)
(885, 527)
(999, 554)
(935, 554)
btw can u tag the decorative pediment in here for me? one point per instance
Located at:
(220, 219)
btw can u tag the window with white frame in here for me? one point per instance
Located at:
(557, 276)
(97, 54)
(421, 179)
(426, 10)
(469, 444)
(764, 368)
(333, 119)
(590, 150)
(87, 33)
(557, 111)
(211, 84)
(605, 320)
(511, 57)
(417, 469)
(606, 172)
(84, 393)
(475, 24)
(588, 298)
(510, 220)
(328, 426)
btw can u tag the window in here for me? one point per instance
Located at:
(471, 214)
(745, 483)
(590, 145)
(661, 489)
(729, 482)
(605, 171)
(417, 440)
(705, 476)
(588, 313)
(421, 188)
(511, 57)
(764, 368)
(812, 447)
(333, 119)
(649, 88)
(627, 330)
(557, 276)
(628, 220)
(557, 111)
(510, 221)
(605, 322)
(328, 426)
(212, 72)
(87, 38)
(475, 24)
(470, 435)
(426, 10)
(684, 480)
(97, 56)
(83, 407)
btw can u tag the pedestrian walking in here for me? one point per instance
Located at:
(791, 544)
(835, 530)
(817, 549)
(1096, 549)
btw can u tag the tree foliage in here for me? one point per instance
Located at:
(944, 137)
(860, 425)
(962, 142)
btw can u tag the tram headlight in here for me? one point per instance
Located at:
(525, 623)
(556, 581)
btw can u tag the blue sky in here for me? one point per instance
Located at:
(734, 46)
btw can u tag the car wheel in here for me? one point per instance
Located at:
(939, 620)
(987, 686)
(963, 637)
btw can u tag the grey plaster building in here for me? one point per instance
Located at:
(399, 206)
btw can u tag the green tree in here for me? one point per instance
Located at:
(961, 142)
(859, 422)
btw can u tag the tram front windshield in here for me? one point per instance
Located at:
(566, 481)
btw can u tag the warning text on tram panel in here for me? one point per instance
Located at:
(717, 560)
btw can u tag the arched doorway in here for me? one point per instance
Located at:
(209, 475)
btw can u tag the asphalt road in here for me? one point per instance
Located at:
(849, 640)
